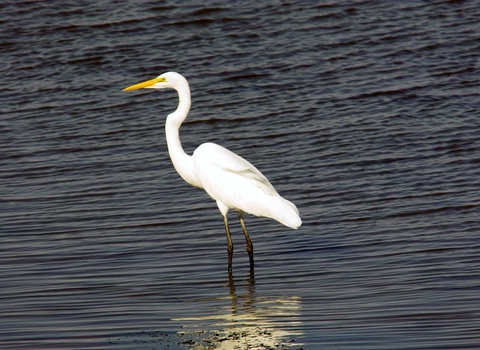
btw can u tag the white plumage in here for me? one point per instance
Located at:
(232, 181)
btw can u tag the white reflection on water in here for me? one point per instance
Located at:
(241, 319)
(249, 322)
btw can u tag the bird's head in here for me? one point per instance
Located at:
(170, 80)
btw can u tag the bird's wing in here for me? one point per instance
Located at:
(230, 162)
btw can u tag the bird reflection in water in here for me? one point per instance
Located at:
(249, 322)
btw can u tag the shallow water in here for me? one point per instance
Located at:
(364, 115)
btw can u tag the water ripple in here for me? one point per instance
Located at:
(365, 115)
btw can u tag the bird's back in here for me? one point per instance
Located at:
(238, 184)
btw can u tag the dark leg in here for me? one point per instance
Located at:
(249, 242)
(229, 244)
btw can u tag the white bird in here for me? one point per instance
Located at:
(233, 182)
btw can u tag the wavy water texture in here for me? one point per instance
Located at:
(363, 114)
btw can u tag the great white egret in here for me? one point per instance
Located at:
(230, 180)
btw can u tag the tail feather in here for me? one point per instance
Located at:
(286, 213)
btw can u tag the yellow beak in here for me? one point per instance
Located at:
(144, 84)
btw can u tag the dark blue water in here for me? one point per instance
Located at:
(364, 114)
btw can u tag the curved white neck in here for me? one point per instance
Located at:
(182, 162)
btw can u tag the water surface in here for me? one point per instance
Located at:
(365, 115)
